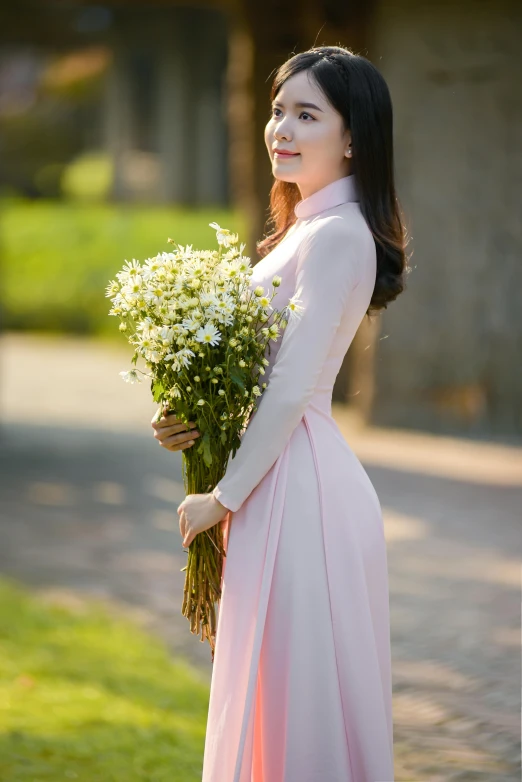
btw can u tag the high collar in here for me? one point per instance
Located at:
(338, 192)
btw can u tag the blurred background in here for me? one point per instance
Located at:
(124, 123)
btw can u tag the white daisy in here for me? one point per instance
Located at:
(132, 268)
(294, 308)
(146, 326)
(131, 376)
(112, 288)
(209, 299)
(150, 268)
(154, 356)
(224, 236)
(183, 357)
(155, 295)
(208, 334)
(192, 323)
(133, 286)
(166, 334)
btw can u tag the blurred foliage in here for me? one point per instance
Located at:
(88, 178)
(76, 74)
(58, 257)
(63, 116)
(87, 696)
(33, 141)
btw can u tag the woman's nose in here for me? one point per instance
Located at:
(281, 131)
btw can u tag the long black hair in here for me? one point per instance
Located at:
(358, 92)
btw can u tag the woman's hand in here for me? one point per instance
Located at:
(172, 433)
(197, 513)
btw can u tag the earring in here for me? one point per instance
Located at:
(349, 152)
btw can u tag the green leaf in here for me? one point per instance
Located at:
(237, 377)
(157, 390)
(223, 438)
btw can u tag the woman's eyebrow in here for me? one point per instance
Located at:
(299, 105)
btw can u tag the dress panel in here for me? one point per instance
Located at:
(298, 686)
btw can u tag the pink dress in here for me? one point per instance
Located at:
(301, 681)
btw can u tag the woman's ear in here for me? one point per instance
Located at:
(348, 142)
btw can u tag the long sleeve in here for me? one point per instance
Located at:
(328, 269)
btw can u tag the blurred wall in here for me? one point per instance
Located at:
(449, 358)
(142, 85)
(165, 104)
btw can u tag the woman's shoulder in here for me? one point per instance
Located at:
(342, 225)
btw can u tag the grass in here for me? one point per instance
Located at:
(57, 257)
(85, 696)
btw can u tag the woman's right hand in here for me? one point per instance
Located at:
(172, 433)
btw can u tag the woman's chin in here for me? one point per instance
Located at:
(284, 176)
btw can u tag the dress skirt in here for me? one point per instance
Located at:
(301, 681)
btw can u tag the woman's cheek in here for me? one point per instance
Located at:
(268, 135)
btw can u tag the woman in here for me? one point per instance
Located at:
(301, 682)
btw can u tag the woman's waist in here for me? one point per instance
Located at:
(322, 400)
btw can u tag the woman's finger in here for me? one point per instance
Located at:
(170, 420)
(166, 431)
(188, 536)
(175, 436)
(180, 437)
(181, 434)
(180, 441)
(182, 522)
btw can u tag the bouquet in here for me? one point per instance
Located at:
(204, 335)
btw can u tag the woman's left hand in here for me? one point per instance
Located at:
(197, 513)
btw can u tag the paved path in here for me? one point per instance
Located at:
(88, 508)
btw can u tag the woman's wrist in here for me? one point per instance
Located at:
(219, 504)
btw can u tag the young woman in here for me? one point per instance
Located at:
(301, 683)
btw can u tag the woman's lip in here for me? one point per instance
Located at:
(285, 154)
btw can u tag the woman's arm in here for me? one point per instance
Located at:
(328, 268)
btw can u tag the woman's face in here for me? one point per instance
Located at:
(314, 133)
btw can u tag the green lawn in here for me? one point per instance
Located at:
(57, 257)
(84, 696)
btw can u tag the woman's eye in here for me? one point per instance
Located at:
(303, 113)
